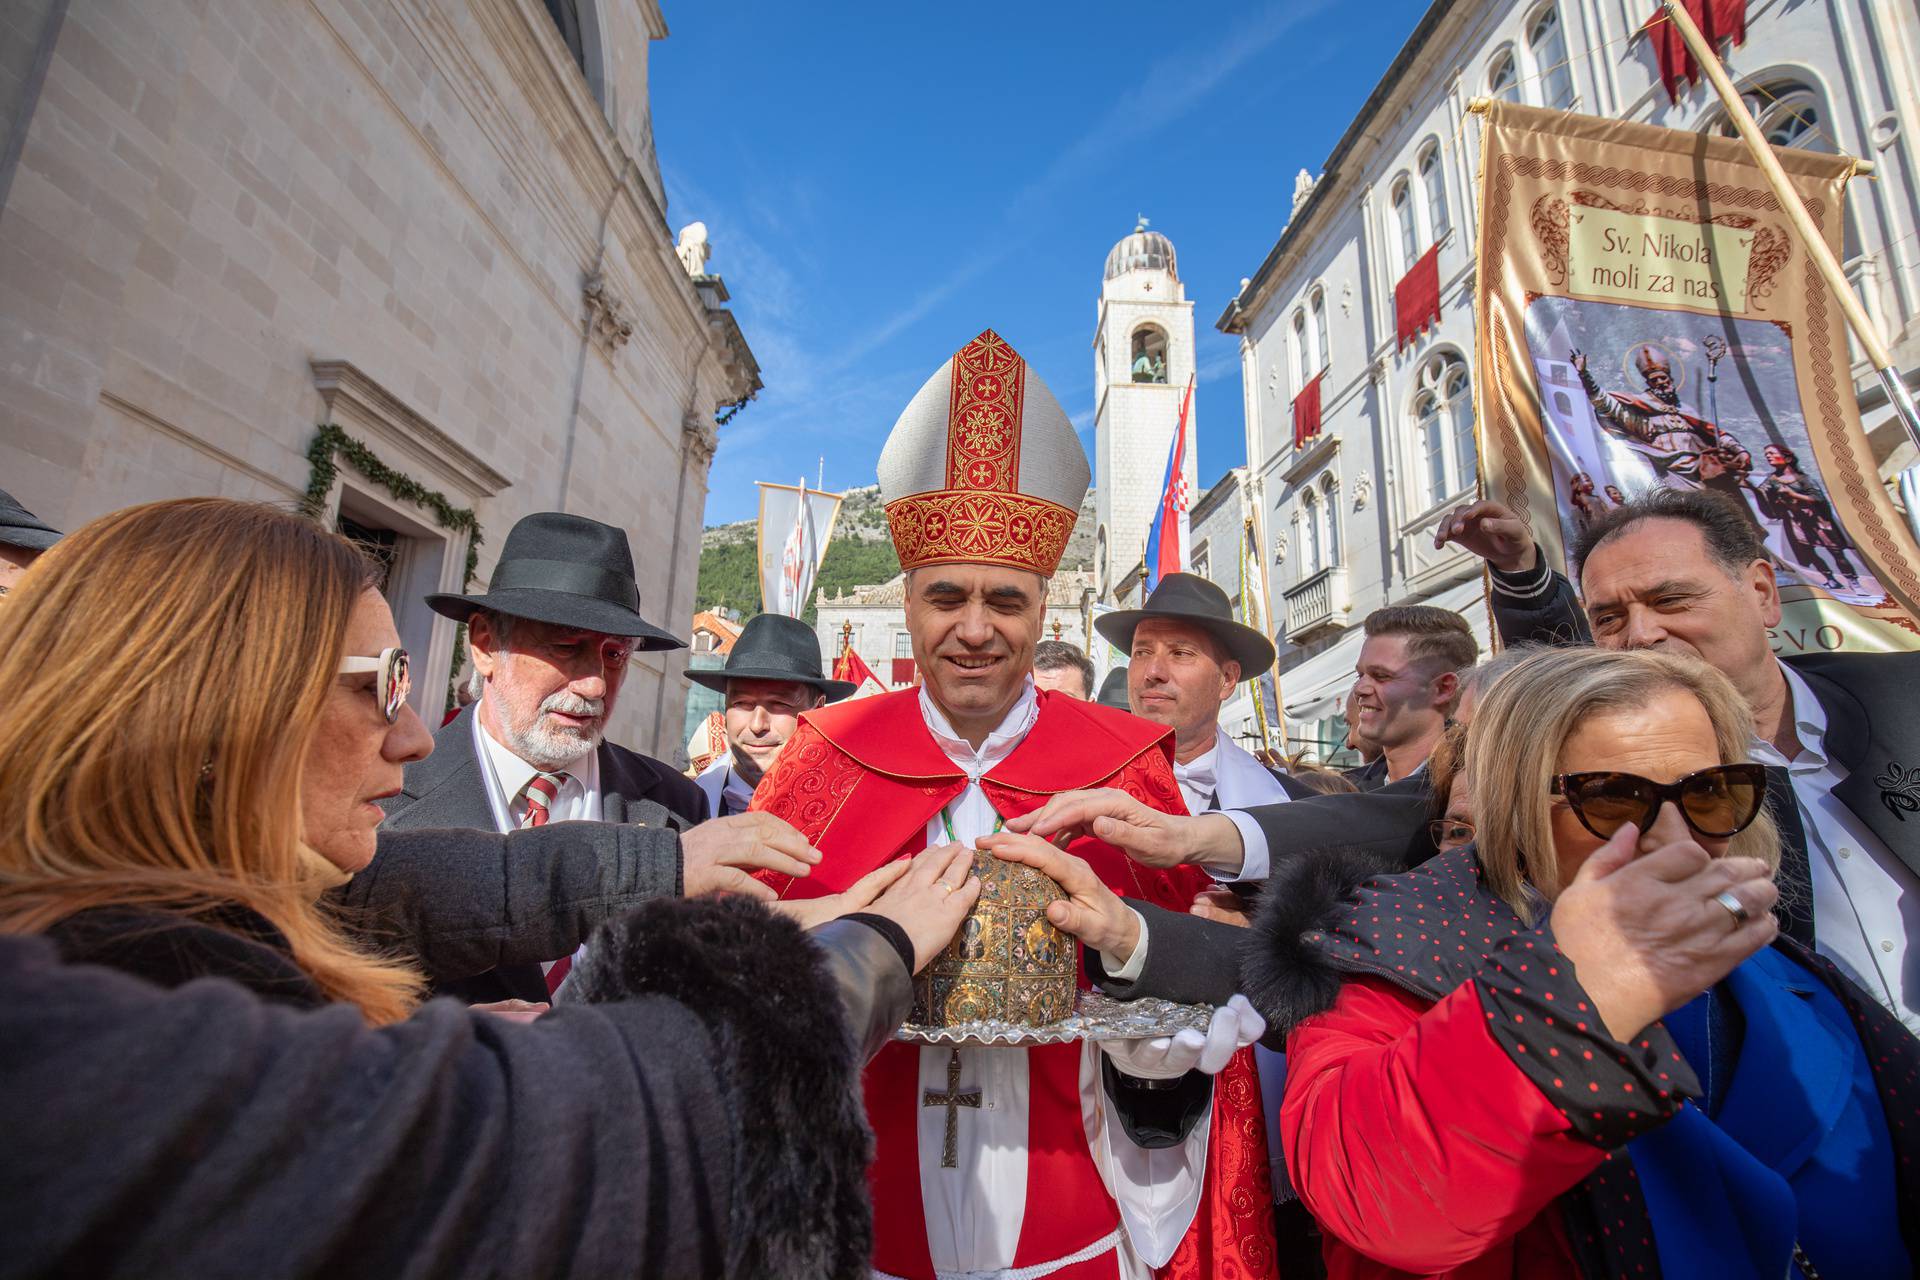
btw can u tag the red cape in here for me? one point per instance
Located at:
(861, 779)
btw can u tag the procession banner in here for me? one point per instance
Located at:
(1646, 317)
(795, 525)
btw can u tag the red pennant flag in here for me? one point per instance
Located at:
(1416, 299)
(1306, 412)
(1717, 19)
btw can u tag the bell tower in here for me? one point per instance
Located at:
(1142, 359)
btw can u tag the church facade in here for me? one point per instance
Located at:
(407, 264)
(1349, 510)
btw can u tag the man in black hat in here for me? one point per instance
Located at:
(551, 640)
(772, 674)
(1186, 656)
(23, 536)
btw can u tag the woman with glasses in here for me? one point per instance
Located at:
(1578, 1046)
(203, 702)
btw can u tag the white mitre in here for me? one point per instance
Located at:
(984, 466)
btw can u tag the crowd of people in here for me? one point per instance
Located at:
(1599, 965)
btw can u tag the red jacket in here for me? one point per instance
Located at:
(1419, 1147)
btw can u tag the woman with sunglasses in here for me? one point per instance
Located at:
(1578, 1047)
(200, 702)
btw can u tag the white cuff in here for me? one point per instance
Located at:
(1130, 971)
(1255, 862)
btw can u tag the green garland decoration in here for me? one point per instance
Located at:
(332, 444)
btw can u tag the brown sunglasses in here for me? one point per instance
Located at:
(1721, 801)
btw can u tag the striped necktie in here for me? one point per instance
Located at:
(542, 790)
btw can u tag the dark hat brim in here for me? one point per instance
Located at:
(27, 538)
(562, 609)
(716, 679)
(1253, 651)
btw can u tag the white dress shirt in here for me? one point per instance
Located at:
(974, 1211)
(1866, 902)
(725, 789)
(507, 776)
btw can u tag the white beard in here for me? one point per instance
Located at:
(551, 748)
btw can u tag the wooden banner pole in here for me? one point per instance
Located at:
(1810, 238)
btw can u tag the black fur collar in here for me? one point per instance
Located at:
(1333, 915)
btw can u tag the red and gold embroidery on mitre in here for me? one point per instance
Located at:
(981, 516)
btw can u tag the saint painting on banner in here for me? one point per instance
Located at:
(1002, 1159)
(1646, 318)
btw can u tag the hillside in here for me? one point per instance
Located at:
(859, 553)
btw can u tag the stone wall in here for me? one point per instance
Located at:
(231, 223)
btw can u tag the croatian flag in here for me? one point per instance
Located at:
(1169, 536)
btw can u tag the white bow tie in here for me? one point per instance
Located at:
(1201, 777)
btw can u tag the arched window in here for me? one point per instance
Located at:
(1148, 360)
(1310, 531)
(1790, 114)
(1303, 351)
(1433, 448)
(1433, 177)
(1547, 41)
(1503, 81)
(1443, 413)
(1404, 220)
(1459, 395)
(1320, 339)
(1330, 489)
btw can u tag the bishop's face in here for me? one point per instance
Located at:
(974, 627)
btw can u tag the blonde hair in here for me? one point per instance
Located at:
(164, 669)
(1522, 724)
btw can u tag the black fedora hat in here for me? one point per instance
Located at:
(775, 647)
(1113, 690)
(21, 528)
(567, 570)
(1190, 598)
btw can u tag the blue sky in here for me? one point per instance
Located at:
(881, 182)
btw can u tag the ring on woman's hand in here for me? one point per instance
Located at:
(1735, 908)
(948, 888)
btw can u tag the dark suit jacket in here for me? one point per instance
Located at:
(1872, 730)
(464, 902)
(448, 790)
(1192, 960)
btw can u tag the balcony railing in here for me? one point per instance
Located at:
(1317, 601)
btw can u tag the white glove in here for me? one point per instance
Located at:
(1235, 1025)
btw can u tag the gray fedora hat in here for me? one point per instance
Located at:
(21, 528)
(775, 647)
(1190, 598)
(566, 570)
(1113, 690)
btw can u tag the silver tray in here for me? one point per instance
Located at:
(1094, 1017)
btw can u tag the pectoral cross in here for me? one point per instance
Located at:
(953, 1099)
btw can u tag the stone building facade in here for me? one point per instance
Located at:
(873, 619)
(437, 226)
(1349, 516)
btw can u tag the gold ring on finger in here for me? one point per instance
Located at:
(1735, 908)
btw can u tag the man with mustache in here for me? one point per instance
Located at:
(1068, 1160)
(551, 639)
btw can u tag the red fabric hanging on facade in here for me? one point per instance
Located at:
(1306, 412)
(1416, 299)
(902, 671)
(1717, 19)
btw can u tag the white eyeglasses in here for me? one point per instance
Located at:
(394, 683)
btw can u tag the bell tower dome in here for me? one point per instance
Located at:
(1143, 358)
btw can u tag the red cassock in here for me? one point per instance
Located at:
(861, 780)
